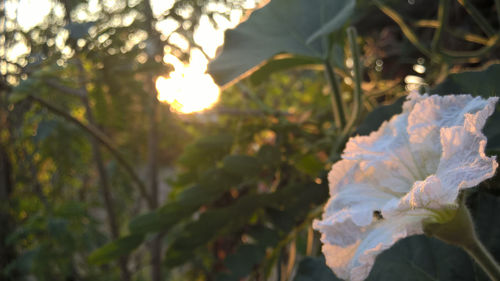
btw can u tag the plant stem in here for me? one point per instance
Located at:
(338, 110)
(459, 231)
(478, 18)
(492, 43)
(358, 78)
(466, 36)
(249, 93)
(484, 259)
(442, 18)
(153, 138)
(497, 6)
(407, 31)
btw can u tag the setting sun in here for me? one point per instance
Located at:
(188, 89)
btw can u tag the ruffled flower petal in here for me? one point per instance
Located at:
(407, 172)
(464, 163)
(354, 262)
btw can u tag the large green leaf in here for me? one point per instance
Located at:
(211, 224)
(242, 165)
(280, 64)
(241, 263)
(269, 156)
(116, 249)
(282, 26)
(314, 269)
(483, 83)
(212, 185)
(375, 118)
(206, 151)
(420, 258)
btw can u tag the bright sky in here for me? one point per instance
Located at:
(188, 89)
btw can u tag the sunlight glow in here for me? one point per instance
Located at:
(188, 88)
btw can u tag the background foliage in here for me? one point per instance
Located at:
(98, 181)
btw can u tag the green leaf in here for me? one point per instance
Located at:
(343, 11)
(17, 96)
(309, 164)
(149, 222)
(213, 184)
(242, 262)
(242, 165)
(275, 65)
(219, 179)
(288, 206)
(282, 26)
(483, 83)
(115, 249)
(419, 258)
(206, 151)
(314, 269)
(375, 118)
(211, 224)
(269, 156)
(264, 236)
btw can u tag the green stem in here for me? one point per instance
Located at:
(497, 6)
(358, 78)
(466, 36)
(478, 18)
(442, 18)
(407, 31)
(338, 110)
(484, 259)
(492, 43)
(459, 231)
(253, 96)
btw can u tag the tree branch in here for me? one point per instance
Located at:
(103, 139)
(65, 89)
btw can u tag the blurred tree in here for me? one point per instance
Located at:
(88, 74)
(85, 145)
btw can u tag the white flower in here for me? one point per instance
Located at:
(409, 171)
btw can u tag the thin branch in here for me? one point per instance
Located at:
(337, 106)
(65, 89)
(497, 6)
(103, 139)
(426, 23)
(252, 96)
(407, 31)
(358, 78)
(492, 43)
(467, 36)
(101, 169)
(443, 11)
(156, 244)
(478, 18)
(249, 112)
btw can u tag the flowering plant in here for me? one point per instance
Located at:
(403, 178)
